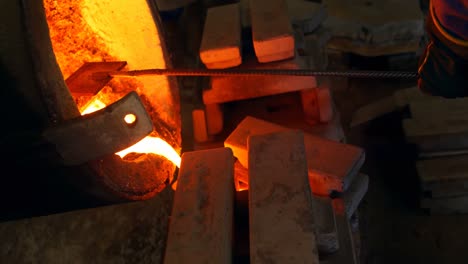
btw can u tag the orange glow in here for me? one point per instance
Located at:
(94, 106)
(241, 186)
(98, 31)
(147, 145)
(153, 145)
(130, 119)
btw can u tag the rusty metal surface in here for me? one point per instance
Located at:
(82, 81)
(100, 133)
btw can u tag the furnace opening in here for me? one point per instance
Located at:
(109, 31)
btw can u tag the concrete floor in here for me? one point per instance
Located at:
(393, 228)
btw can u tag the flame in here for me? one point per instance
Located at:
(147, 145)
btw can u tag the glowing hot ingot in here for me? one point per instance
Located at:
(147, 145)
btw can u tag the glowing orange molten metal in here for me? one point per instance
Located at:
(147, 145)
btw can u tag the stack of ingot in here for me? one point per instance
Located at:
(288, 222)
(275, 45)
(439, 128)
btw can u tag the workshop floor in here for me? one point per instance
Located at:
(393, 228)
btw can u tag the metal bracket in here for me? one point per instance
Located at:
(101, 133)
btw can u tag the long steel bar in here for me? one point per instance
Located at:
(263, 72)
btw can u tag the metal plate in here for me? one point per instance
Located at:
(83, 83)
(100, 133)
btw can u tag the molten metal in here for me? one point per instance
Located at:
(153, 145)
(94, 106)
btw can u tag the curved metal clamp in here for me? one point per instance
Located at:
(101, 133)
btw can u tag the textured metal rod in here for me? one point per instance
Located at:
(263, 72)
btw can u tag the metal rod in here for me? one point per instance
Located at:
(263, 72)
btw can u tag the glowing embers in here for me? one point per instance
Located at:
(148, 145)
